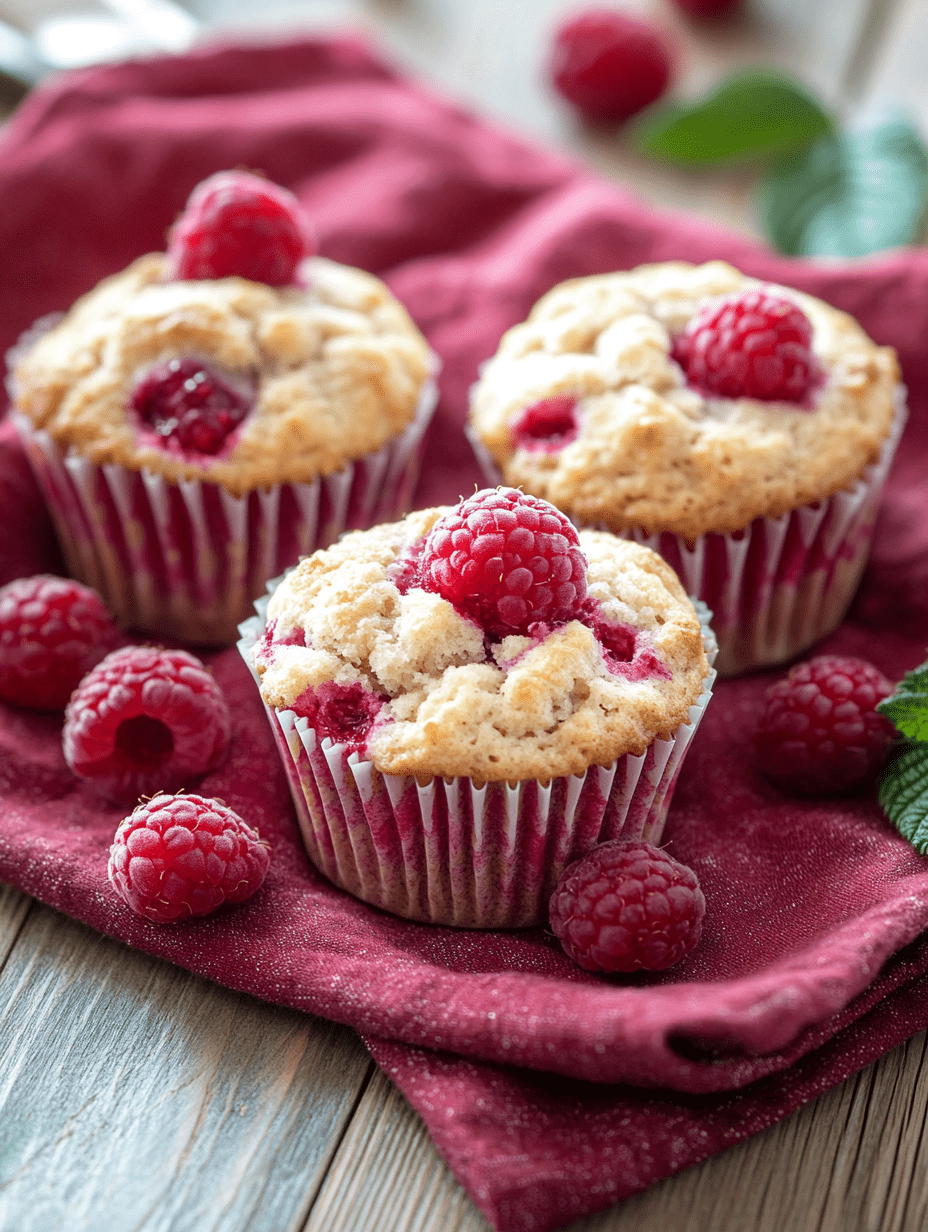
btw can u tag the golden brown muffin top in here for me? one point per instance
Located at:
(651, 452)
(337, 369)
(454, 703)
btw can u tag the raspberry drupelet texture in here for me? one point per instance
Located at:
(751, 345)
(239, 224)
(508, 560)
(52, 632)
(608, 64)
(189, 407)
(627, 906)
(820, 731)
(145, 720)
(180, 856)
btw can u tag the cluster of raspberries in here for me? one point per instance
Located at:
(139, 721)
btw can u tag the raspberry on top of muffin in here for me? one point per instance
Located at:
(680, 398)
(238, 356)
(489, 640)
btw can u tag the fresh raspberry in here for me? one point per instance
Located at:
(820, 731)
(145, 720)
(627, 905)
(548, 425)
(239, 224)
(749, 345)
(508, 560)
(52, 632)
(179, 856)
(608, 64)
(189, 407)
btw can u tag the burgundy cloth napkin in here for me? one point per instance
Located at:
(551, 1092)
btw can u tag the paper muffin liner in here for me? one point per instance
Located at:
(187, 559)
(455, 852)
(781, 584)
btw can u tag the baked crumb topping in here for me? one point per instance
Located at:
(337, 366)
(644, 449)
(453, 701)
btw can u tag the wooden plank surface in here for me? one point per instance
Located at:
(853, 1160)
(387, 1175)
(135, 1097)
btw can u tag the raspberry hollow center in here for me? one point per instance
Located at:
(144, 742)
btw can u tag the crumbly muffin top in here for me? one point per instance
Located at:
(650, 452)
(337, 367)
(446, 700)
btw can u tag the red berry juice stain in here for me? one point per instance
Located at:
(343, 712)
(547, 426)
(626, 650)
(405, 572)
(270, 640)
(187, 408)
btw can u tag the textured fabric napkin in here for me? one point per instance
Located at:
(551, 1092)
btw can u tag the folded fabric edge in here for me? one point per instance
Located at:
(473, 1112)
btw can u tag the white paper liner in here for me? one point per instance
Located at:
(781, 584)
(186, 560)
(453, 852)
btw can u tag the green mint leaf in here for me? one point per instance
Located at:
(751, 114)
(904, 795)
(848, 194)
(907, 708)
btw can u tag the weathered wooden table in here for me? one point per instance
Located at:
(134, 1096)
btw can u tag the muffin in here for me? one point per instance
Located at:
(742, 430)
(469, 699)
(203, 418)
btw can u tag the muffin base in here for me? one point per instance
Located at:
(781, 584)
(457, 852)
(186, 560)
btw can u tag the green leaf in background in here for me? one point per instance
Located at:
(751, 114)
(907, 707)
(849, 193)
(904, 795)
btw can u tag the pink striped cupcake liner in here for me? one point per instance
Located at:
(458, 852)
(186, 560)
(781, 584)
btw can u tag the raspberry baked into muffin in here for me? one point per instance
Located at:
(203, 418)
(743, 430)
(469, 699)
